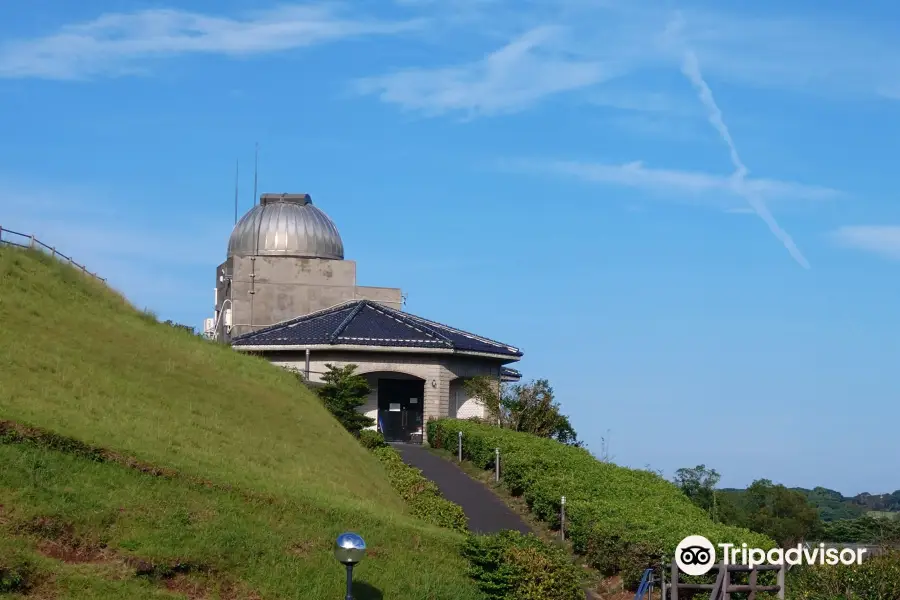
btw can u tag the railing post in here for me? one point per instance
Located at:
(781, 582)
(754, 575)
(307, 365)
(31, 245)
(53, 251)
(497, 464)
(562, 518)
(662, 579)
(459, 446)
(726, 582)
(674, 583)
(1, 234)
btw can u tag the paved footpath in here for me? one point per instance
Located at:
(487, 513)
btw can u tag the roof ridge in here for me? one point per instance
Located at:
(405, 318)
(340, 328)
(466, 333)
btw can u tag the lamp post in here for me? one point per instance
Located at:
(349, 550)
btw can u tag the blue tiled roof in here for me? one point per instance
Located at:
(510, 374)
(366, 323)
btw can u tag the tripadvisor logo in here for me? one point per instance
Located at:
(696, 555)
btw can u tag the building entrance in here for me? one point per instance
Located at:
(401, 409)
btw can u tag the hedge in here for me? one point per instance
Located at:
(371, 439)
(512, 566)
(423, 496)
(877, 578)
(622, 520)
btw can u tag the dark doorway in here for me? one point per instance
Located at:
(401, 409)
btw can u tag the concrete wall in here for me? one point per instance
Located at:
(388, 296)
(440, 372)
(462, 405)
(271, 289)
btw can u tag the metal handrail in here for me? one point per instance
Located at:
(36, 244)
(644, 586)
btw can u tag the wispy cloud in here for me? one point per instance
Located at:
(679, 185)
(883, 240)
(514, 77)
(803, 52)
(121, 43)
(691, 69)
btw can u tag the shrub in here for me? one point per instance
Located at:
(343, 392)
(877, 578)
(371, 439)
(622, 520)
(17, 573)
(512, 566)
(423, 496)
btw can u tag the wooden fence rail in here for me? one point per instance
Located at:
(23, 240)
(723, 587)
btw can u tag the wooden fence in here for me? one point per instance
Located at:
(22, 240)
(724, 587)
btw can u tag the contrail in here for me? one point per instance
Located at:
(691, 69)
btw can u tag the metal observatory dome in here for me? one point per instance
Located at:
(286, 225)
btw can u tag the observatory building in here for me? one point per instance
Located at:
(286, 292)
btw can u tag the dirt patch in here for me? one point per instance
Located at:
(200, 589)
(59, 540)
(612, 588)
(73, 552)
(48, 528)
(303, 549)
(181, 584)
(164, 570)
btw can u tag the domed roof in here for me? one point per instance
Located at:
(286, 225)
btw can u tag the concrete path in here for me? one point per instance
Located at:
(487, 513)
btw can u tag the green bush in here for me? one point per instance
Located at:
(511, 566)
(877, 578)
(17, 573)
(423, 496)
(371, 439)
(622, 520)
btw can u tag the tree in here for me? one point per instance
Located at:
(863, 530)
(783, 514)
(345, 391)
(699, 484)
(529, 408)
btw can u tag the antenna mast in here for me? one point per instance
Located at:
(237, 170)
(255, 173)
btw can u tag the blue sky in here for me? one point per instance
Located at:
(684, 214)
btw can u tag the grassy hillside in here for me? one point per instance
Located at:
(264, 478)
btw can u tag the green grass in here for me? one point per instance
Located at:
(78, 360)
